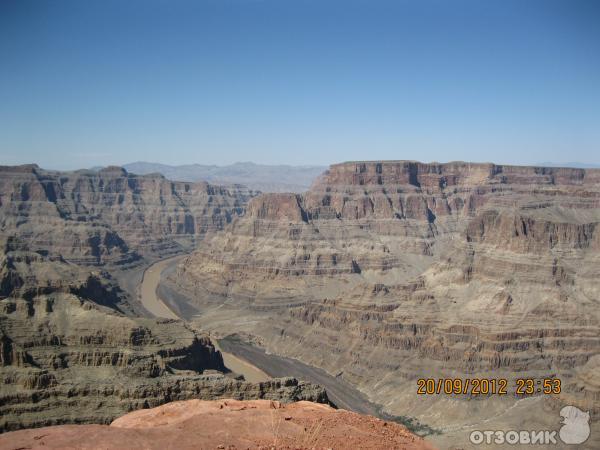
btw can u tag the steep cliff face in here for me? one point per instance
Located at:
(58, 228)
(68, 354)
(385, 272)
(111, 216)
(68, 360)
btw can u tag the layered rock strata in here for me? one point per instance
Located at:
(386, 272)
(108, 216)
(68, 354)
(67, 360)
(56, 228)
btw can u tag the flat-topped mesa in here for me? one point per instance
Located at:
(442, 175)
(425, 192)
(429, 192)
(349, 222)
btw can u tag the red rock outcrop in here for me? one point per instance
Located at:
(226, 424)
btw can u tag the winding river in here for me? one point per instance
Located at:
(257, 365)
(148, 292)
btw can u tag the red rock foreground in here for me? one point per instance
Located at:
(225, 424)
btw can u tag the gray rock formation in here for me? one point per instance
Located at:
(110, 216)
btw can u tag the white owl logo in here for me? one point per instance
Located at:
(575, 429)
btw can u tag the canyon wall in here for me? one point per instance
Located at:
(110, 215)
(68, 360)
(70, 349)
(386, 272)
(64, 230)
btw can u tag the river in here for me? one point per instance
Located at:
(148, 291)
(257, 365)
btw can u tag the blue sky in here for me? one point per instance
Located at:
(86, 83)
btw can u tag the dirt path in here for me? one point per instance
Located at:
(154, 304)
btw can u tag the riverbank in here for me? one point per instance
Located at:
(148, 293)
(341, 393)
(256, 365)
(148, 288)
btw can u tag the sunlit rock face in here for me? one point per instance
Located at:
(70, 349)
(384, 272)
(227, 424)
(108, 216)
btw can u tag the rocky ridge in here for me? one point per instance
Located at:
(108, 216)
(385, 272)
(68, 351)
(68, 360)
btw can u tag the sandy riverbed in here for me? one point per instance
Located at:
(153, 303)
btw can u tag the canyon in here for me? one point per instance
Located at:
(76, 343)
(387, 272)
(109, 216)
(382, 273)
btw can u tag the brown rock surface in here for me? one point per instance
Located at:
(386, 272)
(68, 354)
(227, 424)
(57, 228)
(108, 216)
(66, 360)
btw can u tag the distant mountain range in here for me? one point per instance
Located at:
(260, 177)
(570, 164)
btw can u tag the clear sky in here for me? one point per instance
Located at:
(86, 83)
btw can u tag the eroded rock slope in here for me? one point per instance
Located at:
(107, 216)
(386, 272)
(68, 351)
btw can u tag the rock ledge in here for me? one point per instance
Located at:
(225, 424)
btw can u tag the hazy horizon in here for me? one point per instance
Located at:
(569, 164)
(299, 83)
